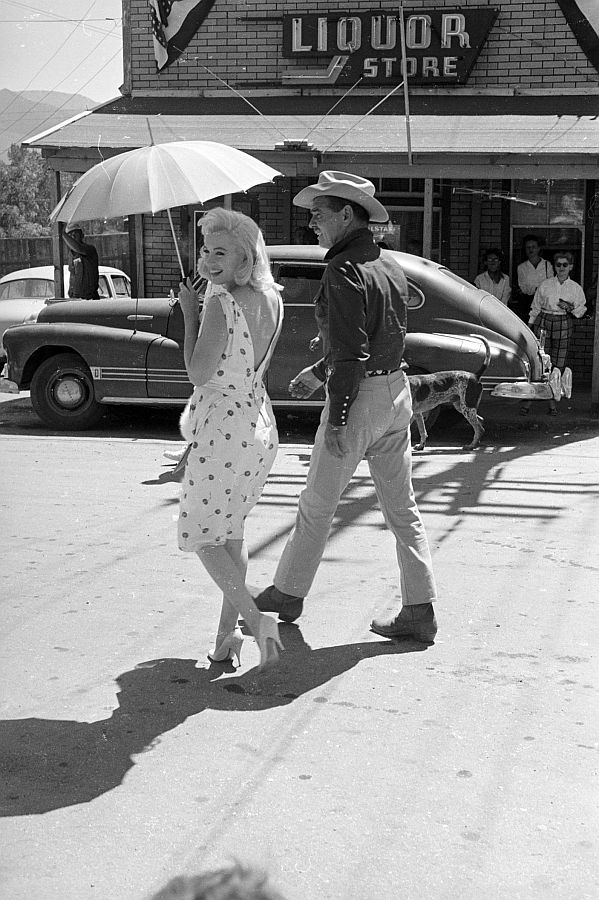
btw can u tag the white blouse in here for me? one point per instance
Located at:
(500, 289)
(530, 277)
(550, 292)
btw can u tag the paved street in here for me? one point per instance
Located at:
(358, 768)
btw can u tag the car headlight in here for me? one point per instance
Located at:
(31, 319)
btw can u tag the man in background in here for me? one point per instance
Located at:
(84, 277)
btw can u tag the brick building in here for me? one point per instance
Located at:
(497, 136)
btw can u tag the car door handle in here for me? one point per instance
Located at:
(137, 318)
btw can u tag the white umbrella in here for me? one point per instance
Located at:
(159, 177)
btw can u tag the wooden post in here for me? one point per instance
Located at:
(595, 378)
(427, 224)
(474, 260)
(140, 275)
(57, 242)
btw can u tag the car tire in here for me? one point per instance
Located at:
(63, 393)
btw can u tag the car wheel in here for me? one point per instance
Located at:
(62, 393)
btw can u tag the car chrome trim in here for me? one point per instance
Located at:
(144, 401)
(291, 402)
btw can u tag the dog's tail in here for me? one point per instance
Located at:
(487, 359)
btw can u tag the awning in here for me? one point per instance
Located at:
(445, 146)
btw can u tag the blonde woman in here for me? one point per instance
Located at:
(228, 422)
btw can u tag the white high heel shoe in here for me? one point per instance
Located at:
(228, 649)
(269, 641)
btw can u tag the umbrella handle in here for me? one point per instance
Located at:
(176, 244)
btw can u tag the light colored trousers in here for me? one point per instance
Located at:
(378, 428)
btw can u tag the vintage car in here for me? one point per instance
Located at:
(81, 355)
(25, 292)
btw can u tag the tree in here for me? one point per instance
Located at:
(25, 201)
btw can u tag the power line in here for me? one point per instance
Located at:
(32, 79)
(83, 86)
(57, 18)
(58, 21)
(68, 76)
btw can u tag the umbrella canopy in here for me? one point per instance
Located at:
(159, 177)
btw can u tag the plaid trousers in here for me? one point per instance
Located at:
(557, 336)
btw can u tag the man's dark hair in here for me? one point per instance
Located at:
(337, 204)
(493, 251)
(532, 237)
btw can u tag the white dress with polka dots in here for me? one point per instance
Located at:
(230, 425)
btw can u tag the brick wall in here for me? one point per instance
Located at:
(529, 46)
(160, 257)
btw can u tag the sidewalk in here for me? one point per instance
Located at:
(572, 413)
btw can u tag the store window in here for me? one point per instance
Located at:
(403, 199)
(554, 212)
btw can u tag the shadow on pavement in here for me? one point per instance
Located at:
(49, 764)
(138, 422)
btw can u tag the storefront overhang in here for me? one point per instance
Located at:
(456, 146)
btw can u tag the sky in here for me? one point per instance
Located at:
(71, 46)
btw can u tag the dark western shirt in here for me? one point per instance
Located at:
(84, 273)
(361, 312)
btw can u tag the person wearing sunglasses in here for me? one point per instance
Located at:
(557, 301)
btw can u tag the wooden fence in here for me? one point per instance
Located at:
(22, 253)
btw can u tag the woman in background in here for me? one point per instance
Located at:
(556, 303)
(530, 274)
(493, 279)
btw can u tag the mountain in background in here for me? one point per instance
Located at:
(27, 113)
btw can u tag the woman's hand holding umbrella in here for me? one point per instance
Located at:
(189, 299)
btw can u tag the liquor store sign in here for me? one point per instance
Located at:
(441, 45)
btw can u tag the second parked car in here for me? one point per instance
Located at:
(25, 292)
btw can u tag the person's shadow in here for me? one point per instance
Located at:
(47, 764)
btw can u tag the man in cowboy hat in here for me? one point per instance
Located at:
(84, 276)
(361, 312)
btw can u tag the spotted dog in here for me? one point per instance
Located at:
(461, 389)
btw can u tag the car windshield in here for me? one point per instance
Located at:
(29, 288)
(300, 283)
(122, 287)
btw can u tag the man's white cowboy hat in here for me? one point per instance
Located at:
(348, 187)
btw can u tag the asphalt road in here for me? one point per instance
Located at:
(358, 768)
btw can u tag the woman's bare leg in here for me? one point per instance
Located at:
(227, 570)
(229, 614)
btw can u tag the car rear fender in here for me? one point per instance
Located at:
(99, 347)
(438, 352)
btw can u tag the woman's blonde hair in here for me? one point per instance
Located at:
(255, 270)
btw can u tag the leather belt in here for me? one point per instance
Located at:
(376, 372)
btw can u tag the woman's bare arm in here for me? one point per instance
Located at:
(205, 341)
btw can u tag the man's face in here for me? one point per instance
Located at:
(532, 249)
(328, 226)
(493, 263)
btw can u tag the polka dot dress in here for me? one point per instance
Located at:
(230, 425)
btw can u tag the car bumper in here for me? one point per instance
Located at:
(8, 387)
(538, 390)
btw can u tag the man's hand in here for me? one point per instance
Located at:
(335, 440)
(304, 384)
(565, 305)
